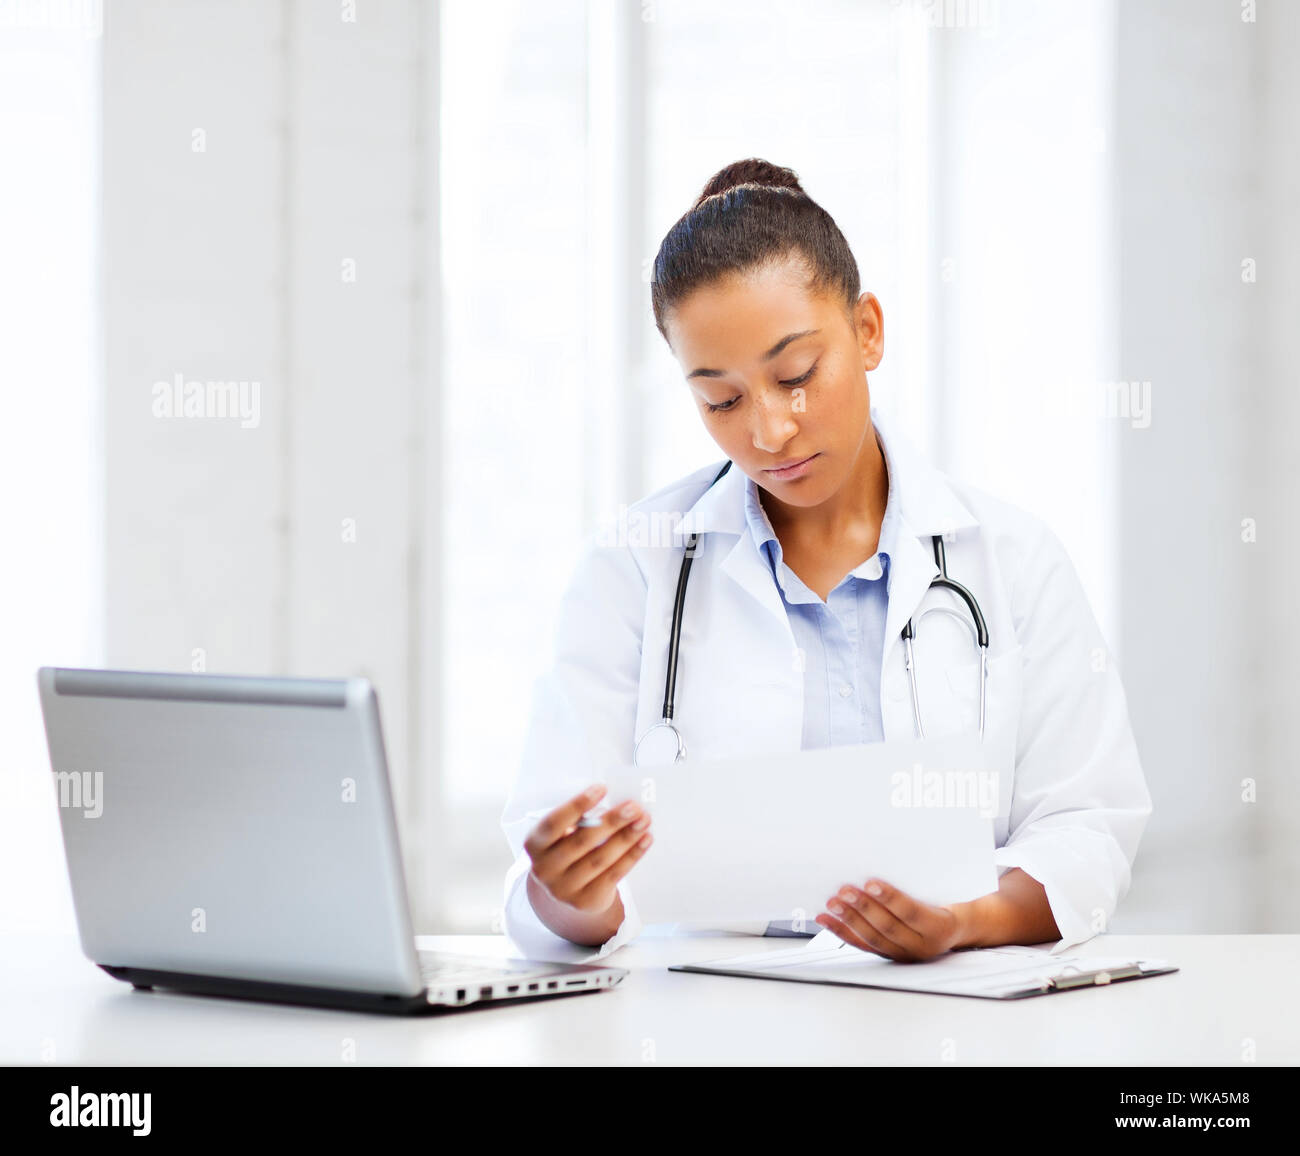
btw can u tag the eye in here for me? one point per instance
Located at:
(792, 382)
(800, 380)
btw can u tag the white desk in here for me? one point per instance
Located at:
(1232, 989)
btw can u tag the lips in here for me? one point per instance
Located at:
(790, 464)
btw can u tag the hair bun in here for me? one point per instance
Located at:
(752, 171)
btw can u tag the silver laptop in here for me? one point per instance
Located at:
(235, 837)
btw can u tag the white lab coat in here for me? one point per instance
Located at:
(1073, 800)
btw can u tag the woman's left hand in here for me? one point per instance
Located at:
(881, 919)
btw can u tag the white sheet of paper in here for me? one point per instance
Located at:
(774, 836)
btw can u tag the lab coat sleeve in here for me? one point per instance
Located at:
(1080, 802)
(581, 724)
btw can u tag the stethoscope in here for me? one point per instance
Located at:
(663, 742)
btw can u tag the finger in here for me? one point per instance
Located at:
(620, 867)
(882, 919)
(552, 827)
(851, 937)
(876, 945)
(898, 903)
(558, 859)
(864, 931)
(583, 870)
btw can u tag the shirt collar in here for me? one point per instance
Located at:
(920, 495)
(877, 566)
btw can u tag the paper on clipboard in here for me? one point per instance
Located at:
(990, 973)
(773, 836)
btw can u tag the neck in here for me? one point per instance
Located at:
(854, 511)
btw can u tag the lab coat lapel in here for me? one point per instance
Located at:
(912, 569)
(739, 689)
(926, 506)
(751, 572)
(739, 631)
(721, 510)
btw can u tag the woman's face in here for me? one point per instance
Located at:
(780, 376)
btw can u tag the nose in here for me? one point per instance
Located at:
(774, 423)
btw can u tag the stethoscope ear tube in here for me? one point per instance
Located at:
(984, 678)
(663, 743)
(670, 682)
(679, 603)
(946, 583)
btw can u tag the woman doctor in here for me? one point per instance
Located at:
(816, 549)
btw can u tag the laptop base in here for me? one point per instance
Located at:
(249, 989)
(145, 979)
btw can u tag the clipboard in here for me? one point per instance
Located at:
(981, 972)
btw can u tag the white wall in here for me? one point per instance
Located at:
(50, 573)
(252, 151)
(1025, 335)
(1207, 177)
(1103, 170)
(1270, 679)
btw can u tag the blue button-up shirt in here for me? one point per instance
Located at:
(841, 641)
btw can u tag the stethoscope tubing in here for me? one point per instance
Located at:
(942, 581)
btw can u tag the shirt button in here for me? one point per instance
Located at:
(845, 690)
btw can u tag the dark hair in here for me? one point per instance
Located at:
(751, 213)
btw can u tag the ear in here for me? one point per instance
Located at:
(869, 323)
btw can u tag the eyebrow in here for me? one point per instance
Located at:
(771, 353)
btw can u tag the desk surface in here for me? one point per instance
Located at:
(1233, 1002)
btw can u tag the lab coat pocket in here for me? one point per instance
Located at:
(1001, 716)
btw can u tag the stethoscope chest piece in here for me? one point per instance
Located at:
(661, 746)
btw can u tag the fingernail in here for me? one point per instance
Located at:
(836, 906)
(642, 823)
(594, 792)
(646, 841)
(628, 810)
(848, 893)
(873, 889)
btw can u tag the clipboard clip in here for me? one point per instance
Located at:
(1098, 978)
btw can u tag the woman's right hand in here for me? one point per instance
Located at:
(580, 867)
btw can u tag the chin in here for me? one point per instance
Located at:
(802, 492)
